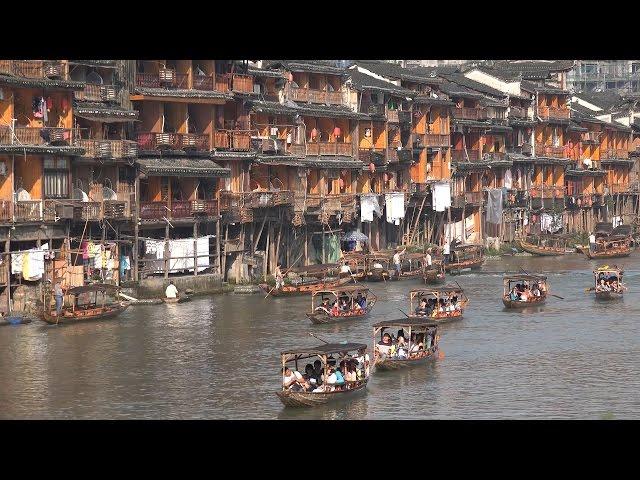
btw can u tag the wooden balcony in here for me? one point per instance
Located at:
(372, 155)
(618, 188)
(329, 148)
(178, 209)
(550, 151)
(210, 83)
(517, 112)
(547, 191)
(36, 136)
(466, 113)
(241, 140)
(310, 95)
(612, 153)
(392, 116)
(173, 141)
(495, 156)
(404, 117)
(91, 211)
(459, 156)
(166, 78)
(242, 83)
(221, 139)
(108, 148)
(524, 149)
(34, 68)
(97, 93)
(516, 198)
(437, 140)
(28, 210)
(547, 113)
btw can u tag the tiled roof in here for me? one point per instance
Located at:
(362, 81)
(473, 85)
(182, 167)
(317, 66)
(393, 70)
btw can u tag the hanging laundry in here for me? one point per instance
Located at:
(441, 196)
(508, 179)
(494, 206)
(43, 109)
(17, 259)
(394, 206)
(369, 204)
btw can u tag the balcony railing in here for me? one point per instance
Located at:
(494, 156)
(517, 112)
(550, 151)
(6, 214)
(311, 95)
(437, 140)
(525, 149)
(34, 68)
(241, 139)
(28, 210)
(166, 78)
(329, 148)
(97, 93)
(242, 83)
(459, 156)
(546, 112)
(36, 136)
(371, 155)
(618, 188)
(466, 113)
(108, 148)
(547, 191)
(612, 153)
(178, 209)
(516, 198)
(392, 116)
(173, 141)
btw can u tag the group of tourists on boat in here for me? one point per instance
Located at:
(341, 377)
(608, 282)
(432, 307)
(342, 305)
(398, 347)
(523, 292)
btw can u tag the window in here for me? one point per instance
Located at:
(56, 177)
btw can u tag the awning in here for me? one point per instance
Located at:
(283, 160)
(105, 114)
(337, 161)
(182, 167)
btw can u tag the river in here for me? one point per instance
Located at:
(217, 357)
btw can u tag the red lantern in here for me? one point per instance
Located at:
(337, 132)
(372, 167)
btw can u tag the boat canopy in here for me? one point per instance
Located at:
(445, 289)
(348, 290)
(314, 269)
(326, 349)
(406, 322)
(526, 277)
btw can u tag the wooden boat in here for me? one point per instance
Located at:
(326, 353)
(465, 256)
(614, 246)
(92, 310)
(413, 265)
(328, 314)
(509, 281)
(449, 294)
(305, 287)
(606, 275)
(357, 263)
(179, 299)
(418, 329)
(434, 275)
(544, 246)
(13, 320)
(378, 267)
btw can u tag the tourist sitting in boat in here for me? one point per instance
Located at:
(294, 381)
(603, 287)
(417, 344)
(360, 300)
(345, 271)
(385, 346)
(422, 309)
(325, 307)
(514, 295)
(171, 291)
(535, 290)
(317, 372)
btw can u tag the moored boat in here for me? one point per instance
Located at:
(435, 274)
(437, 304)
(300, 391)
(91, 310)
(525, 290)
(358, 303)
(304, 287)
(544, 245)
(413, 265)
(617, 246)
(608, 283)
(378, 267)
(464, 257)
(421, 343)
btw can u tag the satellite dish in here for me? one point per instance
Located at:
(80, 195)
(109, 194)
(23, 195)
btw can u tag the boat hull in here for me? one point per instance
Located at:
(176, 300)
(431, 277)
(289, 290)
(390, 364)
(321, 318)
(608, 295)
(613, 254)
(310, 399)
(542, 251)
(443, 319)
(86, 315)
(375, 276)
(518, 304)
(454, 267)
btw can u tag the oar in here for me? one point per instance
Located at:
(590, 289)
(404, 313)
(557, 296)
(283, 274)
(315, 336)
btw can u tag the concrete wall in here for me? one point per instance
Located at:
(154, 287)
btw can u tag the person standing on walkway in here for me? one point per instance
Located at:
(592, 242)
(446, 251)
(397, 262)
(59, 296)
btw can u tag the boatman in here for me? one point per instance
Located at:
(446, 251)
(592, 242)
(427, 258)
(171, 291)
(57, 293)
(397, 262)
(279, 276)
